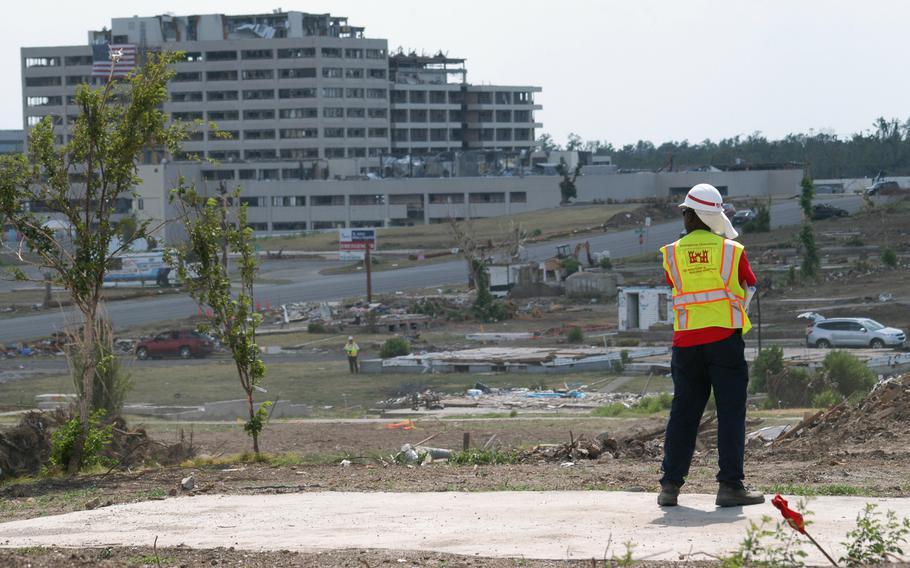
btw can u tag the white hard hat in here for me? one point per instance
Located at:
(350, 338)
(708, 204)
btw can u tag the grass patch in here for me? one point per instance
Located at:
(318, 384)
(484, 457)
(645, 406)
(149, 560)
(428, 237)
(72, 500)
(832, 490)
(277, 460)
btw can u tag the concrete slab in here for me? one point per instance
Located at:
(545, 524)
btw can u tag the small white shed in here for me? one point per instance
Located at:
(641, 307)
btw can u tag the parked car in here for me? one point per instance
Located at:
(852, 332)
(883, 186)
(825, 211)
(729, 210)
(742, 217)
(175, 343)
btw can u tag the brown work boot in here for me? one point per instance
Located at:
(669, 493)
(737, 496)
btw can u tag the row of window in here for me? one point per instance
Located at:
(442, 115)
(459, 97)
(354, 200)
(286, 53)
(295, 133)
(286, 154)
(284, 113)
(269, 94)
(269, 74)
(458, 135)
(246, 54)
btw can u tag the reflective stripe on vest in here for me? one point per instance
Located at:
(674, 269)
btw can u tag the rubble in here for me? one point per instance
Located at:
(558, 359)
(881, 416)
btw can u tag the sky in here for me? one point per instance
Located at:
(619, 71)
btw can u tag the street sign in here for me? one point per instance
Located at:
(353, 242)
(647, 221)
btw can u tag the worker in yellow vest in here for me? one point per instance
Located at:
(712, 286)
(352, 349)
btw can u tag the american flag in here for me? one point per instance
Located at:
(103, 56)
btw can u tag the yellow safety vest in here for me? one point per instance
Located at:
(352, 349)
(702, 267)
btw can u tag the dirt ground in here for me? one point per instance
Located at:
(355, 558)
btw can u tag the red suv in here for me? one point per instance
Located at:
(184, 344)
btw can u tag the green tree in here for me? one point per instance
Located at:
(811, 261)
(546, 143)
(762, 221)
(574, 142)
(889, 257)
(394, 347)
(116, 124)
(567, 189)
(847, 373)
(215, 233)
(806, 194)
(769, 362)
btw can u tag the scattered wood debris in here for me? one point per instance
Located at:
(882, 415)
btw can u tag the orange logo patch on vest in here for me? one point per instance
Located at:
(698, 257)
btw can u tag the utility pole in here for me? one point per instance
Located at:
(758, 317)
(369, 266)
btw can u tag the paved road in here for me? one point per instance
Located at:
(533, 524)
(311, 286)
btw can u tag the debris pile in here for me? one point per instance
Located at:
(133, 446)
(27, 446)
(882, 415)
(641, 443)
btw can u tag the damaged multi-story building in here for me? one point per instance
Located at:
(304, 97)
(327, 128)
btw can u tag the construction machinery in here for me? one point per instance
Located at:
(562, 251)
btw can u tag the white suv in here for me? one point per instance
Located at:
(852, 332)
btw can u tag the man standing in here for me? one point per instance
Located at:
(352, 349)
(712, 285)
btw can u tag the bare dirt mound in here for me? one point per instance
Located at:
(880, 421)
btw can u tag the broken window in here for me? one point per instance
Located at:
(299, 73)
(258, 94)
(308, 112)
(259, 114)
(224, 115)
(257, 74)
(222, 95)
(185, 77)
(297, 53)
(220, 55)
(42, 61)
(263, 154)
(257, 54)
(299, 132)
(221, 76)
(42, 81)
(327, 200)
(262, 134)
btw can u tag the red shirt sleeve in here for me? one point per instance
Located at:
(669, 280)
(745, 271)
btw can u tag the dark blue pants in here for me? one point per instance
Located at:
(720, 366)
